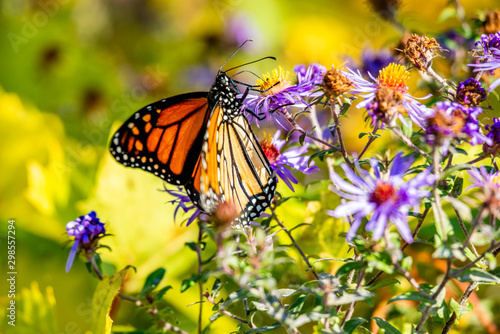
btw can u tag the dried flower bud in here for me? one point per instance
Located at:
(491, 24)
(470, 93)
(335, 83)
(420, 50)
(224, 216)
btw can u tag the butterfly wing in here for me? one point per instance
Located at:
(233, 168)
(165, 138)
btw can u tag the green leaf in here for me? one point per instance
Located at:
(347, 298)
(382, 283)
(189, 282)
(458, 185)
(105, 292)
(268, 328)
(351, 325)
(260, 306)
(298, 304)
(152, 281)
(302, 138)
(478, 275)
(159, 295)
(215, 316)
(385, 326)
(412, 295)
(349, 266)
(459, 309)
(216, 288)
(234, 297)
(320, 154)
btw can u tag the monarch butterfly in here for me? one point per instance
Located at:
(203, 141)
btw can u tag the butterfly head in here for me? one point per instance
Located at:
(223, 93)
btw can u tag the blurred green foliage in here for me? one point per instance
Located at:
(72, 70)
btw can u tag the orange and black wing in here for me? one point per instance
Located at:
(234, 169)
(165, 137)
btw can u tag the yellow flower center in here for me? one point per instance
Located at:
(394, 77)
(276, 82)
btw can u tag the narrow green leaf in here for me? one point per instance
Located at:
(302, 138)
(412, 295)
(382, 283)
(351, 325)
(385, 326)
(478, 275)
(152, 281)
(268, 328)
(349, 266)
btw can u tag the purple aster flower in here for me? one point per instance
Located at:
(489, 185)
(277, 92)
(385, 197)
(87, 231)
(489, 56)
(470, 93)
(183, 202)
(453, 121)
(372, 62)
(309, 75)
(386, 97)
(494, 135)
(282, 161)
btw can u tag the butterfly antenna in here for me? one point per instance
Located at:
(238, 49)
(247, 71)
(255, 61)
(244, 84)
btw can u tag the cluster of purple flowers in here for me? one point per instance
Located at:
(86, 231)
(281, 162)
(451, 120)
(488, 56)
(277, 92)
